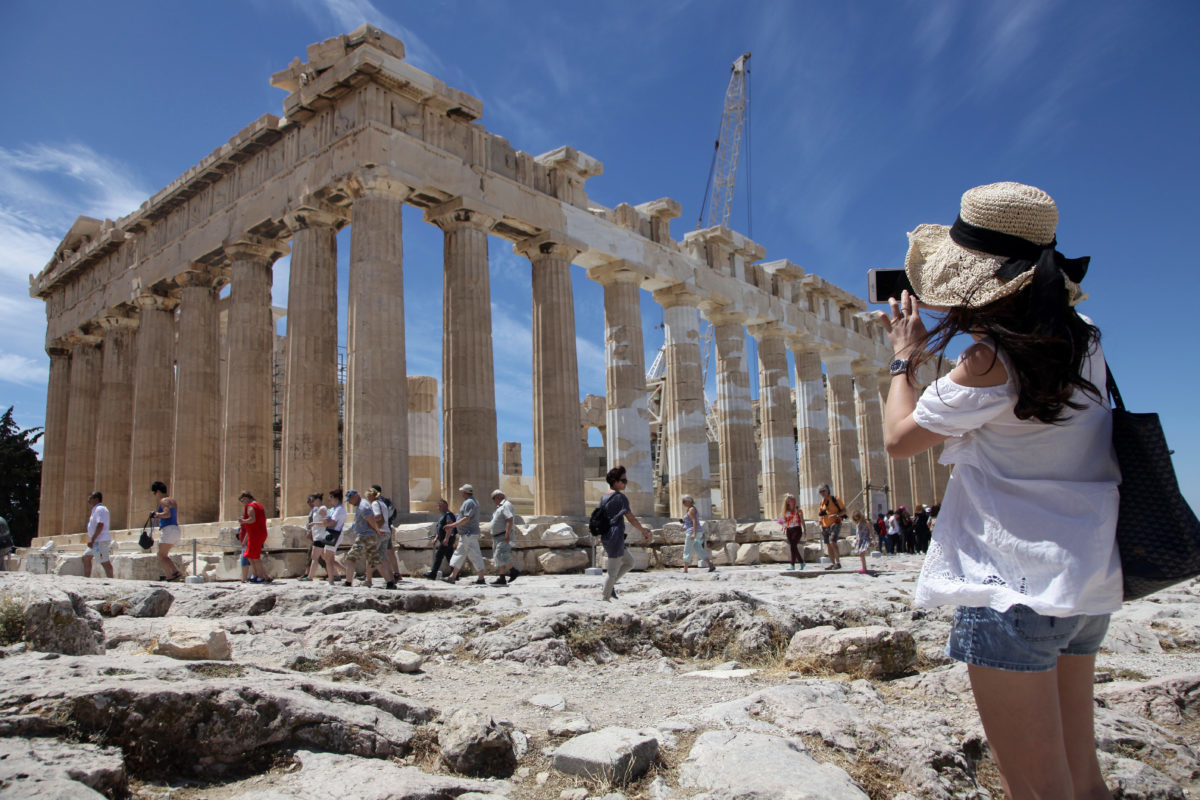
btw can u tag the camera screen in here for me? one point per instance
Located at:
(885, 283)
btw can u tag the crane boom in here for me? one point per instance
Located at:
(728, 145)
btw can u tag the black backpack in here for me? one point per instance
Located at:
(392, 514)
(599, 524)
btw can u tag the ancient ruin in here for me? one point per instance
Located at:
(133, 306)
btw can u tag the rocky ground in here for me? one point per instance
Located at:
(750, 682)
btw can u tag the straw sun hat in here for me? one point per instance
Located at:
(1003, 236)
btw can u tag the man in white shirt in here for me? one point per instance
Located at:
(502, 530)
(99, 537)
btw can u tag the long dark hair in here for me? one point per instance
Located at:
(1043, 337)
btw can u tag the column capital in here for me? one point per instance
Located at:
(58, 348)
(663, 208)
(463, 212)
(200, 276)
(117, 318)
(376, 181)
(720, 313)
(613, 272)
(251, 247)
(550, 244)
(680, 294)
(865, 367)
(81, 338)
(767, 330)
(150, 300)
(313, 214)
(837, 362)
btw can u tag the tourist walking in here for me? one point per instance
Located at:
(99, 536)
(467, 526)
(169, 534)
(335, 532)
(793, 529)
(881, 532)
(830, 514)
(254, 533)
(385, 513)
(908, 539)
(318, 519)
(616, 508)
(862, 538)
(1025, 544)
(367, 520)
(694, 544)
(502, 531)
(921, 529)
(443, 539)
(893, 530)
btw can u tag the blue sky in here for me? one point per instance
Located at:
(867, 119)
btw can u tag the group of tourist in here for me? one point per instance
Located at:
(99, 533)
(898, 531)
(466, 528)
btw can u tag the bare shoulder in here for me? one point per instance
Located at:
(979, 366)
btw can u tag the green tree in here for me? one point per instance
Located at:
(20, 478)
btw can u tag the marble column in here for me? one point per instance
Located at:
(196, 481)
(626, 415)
(557, 450)
(153, 403)
(249, 452)
(114, 440)
(843, 432)
(469, 445)
(812, 426)
(424, 454)
(683, 402)
(376, 400)
(54, 443)
(870, 432)
(921, 474)
(777, 419)
(310, 406)
(942, 473)
(898, 469)
(735, 418)
(84, 419)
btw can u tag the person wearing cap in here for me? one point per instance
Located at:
(1025, 544)
(502, 529)
(367, 519)
(830, 514)
(467, 526)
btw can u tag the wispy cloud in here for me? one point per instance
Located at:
(23, 370)
(346, 15)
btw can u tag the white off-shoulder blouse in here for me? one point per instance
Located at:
(1030, 511)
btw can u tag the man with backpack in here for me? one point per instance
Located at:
(443, 539)
(387, 548)
(614, 507)
(830, 515)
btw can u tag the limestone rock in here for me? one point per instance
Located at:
(573, 725)
(873, 650)
(154, 602)
(559, 534)
(754, 766)
(553, 702)
(406, 660)
(642, 558)
(543, 652)
(139, 566)
(50, 768)
(747, 555)
(193, 641)
(61, 622)
(473, 744)
(773, 552)
(1133, 780)
(723, 623)
(557, 561)
(614, 755)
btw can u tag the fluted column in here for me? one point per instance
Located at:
(735, 417)
(249, 452)
(424, 455)
(469, 447)
(376, 400)
(777, 418)
(921, 475)
(626, 415)
(153, 403)
(557, 449)
(114, 440)
(843, 431)
(54, 443)
(196, 481)
(812, 426)
(81, 430)
(310, 405)
(683, 401)
(870, 432)
(898, 469)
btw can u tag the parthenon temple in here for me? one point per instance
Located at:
(136, 309)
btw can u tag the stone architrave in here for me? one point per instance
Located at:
(683, 401)
(376, 399)
(557, 450)
(424, 454)
(310, 408)
(82, 424)
(54, 443)
(114, 437)
(870, 432)
(469, 443)
(196, 481)
(843, 431)
(735, 417)
(812, 426)
(626, 415)
(153, 403)
(249, 452)
(778, 456)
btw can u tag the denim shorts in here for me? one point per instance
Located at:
(1020, 639)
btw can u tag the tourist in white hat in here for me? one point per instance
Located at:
(1025, 544)
(467, 526)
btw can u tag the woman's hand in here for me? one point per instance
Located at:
(904, 326)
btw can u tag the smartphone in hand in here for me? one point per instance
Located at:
(886, 283)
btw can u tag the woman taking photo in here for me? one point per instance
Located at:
(1025, 542)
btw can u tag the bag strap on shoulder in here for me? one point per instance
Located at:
(1114, 393)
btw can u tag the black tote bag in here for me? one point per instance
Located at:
(1158, 534)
